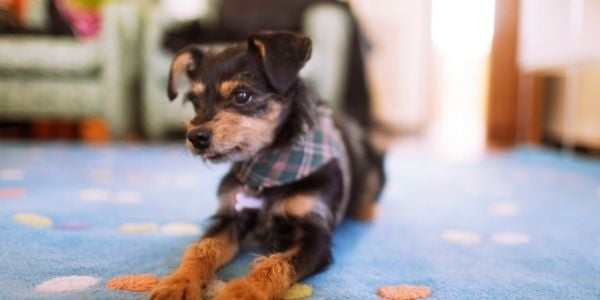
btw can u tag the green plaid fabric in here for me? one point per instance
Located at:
(311, 152)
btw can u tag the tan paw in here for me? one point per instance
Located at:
(176, 287)
(366, 212)
(242, 290)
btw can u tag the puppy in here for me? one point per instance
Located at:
(296, 172)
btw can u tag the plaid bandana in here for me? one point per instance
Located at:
(312, 151)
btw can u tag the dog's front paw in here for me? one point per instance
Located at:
(177, 287)
(242, 290)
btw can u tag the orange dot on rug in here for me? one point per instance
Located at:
(133, 283)
(12, 193)
(404, 292)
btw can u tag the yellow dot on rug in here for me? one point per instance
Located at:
(133, 283)
(138, 228)
(66, 284)
(180, 229)
(298, 291)
(461, 237)
(33, 220)
(404, 292)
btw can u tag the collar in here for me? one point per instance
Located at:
(282, 166)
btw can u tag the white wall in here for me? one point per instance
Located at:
(398, 63)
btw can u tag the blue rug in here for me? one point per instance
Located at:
(516, 225)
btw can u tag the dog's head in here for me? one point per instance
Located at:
(247, 97)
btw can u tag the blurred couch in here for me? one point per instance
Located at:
(54, 77)
(329, 26)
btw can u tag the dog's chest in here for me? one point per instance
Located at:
(269, 230)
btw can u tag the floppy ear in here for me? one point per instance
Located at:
(186, 61)
(283, 54)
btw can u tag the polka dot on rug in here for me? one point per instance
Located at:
(404, 292)
(133, 283)
(12, 193)
(138, 228)
(511, 238)
(33, 220)
(66, 284)
(461, 237)
(73, 225)
(298, 291)
(180, 229)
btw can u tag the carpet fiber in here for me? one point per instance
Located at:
(522, 224)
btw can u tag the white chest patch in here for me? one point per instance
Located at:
(243, 201)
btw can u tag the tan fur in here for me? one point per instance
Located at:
(367, 208)
(226, 88)
(197, 267)
(250, 134)
(198, 88)
(296, 205)
(261, 47)
(181, 62)
(269, 279)
(367, 211)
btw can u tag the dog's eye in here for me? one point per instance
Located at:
(241, 97)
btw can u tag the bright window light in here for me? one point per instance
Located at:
(463, 28)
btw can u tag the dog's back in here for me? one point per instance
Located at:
(367, 170)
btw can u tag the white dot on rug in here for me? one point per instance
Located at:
(180, 229)
(504, 209)
(94, 195)
(138, 228)
(511, 238)
(66, 284)
(11, 174)
(461, 237)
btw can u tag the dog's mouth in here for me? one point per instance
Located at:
(211, 155)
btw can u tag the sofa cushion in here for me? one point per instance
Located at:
(50, 97)
(47, 56)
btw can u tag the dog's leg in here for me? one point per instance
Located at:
(199, 263)
(272, 275)
(366, 208)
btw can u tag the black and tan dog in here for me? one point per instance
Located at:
(296, 172)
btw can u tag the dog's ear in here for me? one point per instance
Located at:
(186, 62)
(283, 54)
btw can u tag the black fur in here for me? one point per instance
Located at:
(276, 76)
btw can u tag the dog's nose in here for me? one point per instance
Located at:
(200, 138)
